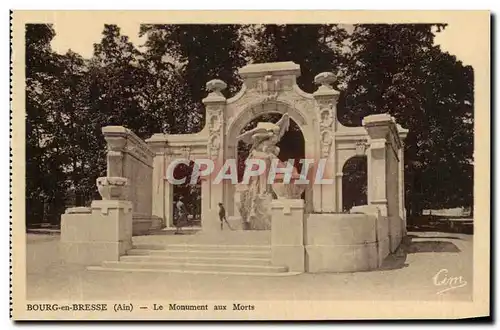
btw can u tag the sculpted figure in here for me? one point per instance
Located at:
(255, 200)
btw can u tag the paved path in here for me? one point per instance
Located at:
(408, 276)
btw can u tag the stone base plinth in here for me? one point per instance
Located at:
(93, 253)
(236, 222)
(292, 256)
(157, 223)
(143, 224)
(287, 234)
(337, 259)
(100, 233)
(345, 242)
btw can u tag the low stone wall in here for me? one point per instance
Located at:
(345, 242)
(331, 242)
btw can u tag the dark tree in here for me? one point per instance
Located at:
(44, 178)
(316, 48)
(199, 53)
(397, 69)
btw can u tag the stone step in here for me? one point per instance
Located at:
(206, 247)
(202, 253)
(219, 268)
(202, 260)
(193, 272)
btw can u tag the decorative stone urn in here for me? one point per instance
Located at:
(291, 190)
(112, 188)
(216, 86)
(325, 80)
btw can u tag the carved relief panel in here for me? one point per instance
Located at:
(326, 120)
(214, 118)
(215, 104)
(326, 100)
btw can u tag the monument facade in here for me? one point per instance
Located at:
(311, 234)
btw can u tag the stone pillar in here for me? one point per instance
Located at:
(215, 104)
(326, 97)
(168, 201)
(378, 128)
(369, 195)
(383, 172)
(338, 182)
(401, 188)
(100, 233)
(287, 234)
(393, 196)
(209, 216)
(158, 200)
(401, 155)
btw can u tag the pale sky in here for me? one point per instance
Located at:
(452, 39)
(83, 44)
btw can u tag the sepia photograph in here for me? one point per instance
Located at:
(250, 167)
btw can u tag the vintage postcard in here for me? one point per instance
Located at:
(250, 165)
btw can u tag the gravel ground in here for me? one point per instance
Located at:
(406, 276)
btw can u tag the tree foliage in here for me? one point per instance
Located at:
(316, 48)
(198, 54)
(397, 69)
(44, 185)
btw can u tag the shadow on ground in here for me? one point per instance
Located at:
(432, 246)
(442, 237)
(417, 244)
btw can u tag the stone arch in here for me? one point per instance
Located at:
(253, 111)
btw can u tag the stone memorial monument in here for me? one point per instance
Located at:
(309, 234)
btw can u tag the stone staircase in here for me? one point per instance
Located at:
(207, 258)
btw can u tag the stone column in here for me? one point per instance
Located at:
(168, 201)
(378, 128)
(369, 194)
(287, 234)
(326, 97)
(401, 166)
(168, 192)
(384, 172)
(393, 193)
(339, 177)
(206, 221)
(215, 104)
(401, 188)
(159, 145)
(158, 200)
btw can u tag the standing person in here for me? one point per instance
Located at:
(181, 214)
(222, 217)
